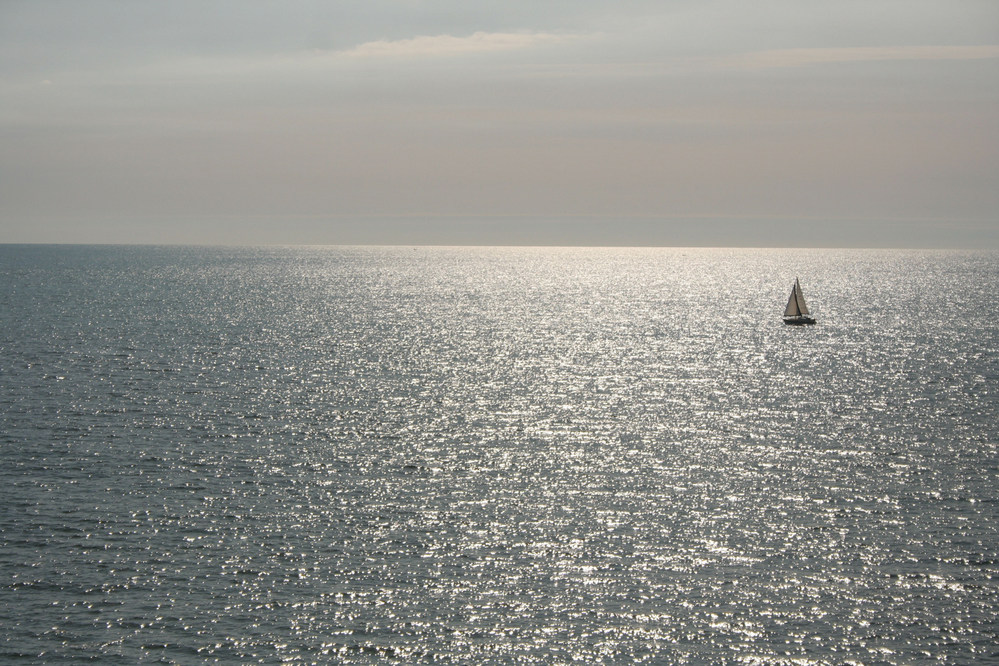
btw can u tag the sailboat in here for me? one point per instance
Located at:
(796, 312)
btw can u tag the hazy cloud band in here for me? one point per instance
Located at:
(449, 45)
(816, 56)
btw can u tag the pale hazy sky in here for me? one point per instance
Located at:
(665, 122)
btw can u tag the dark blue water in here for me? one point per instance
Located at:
(497, 456)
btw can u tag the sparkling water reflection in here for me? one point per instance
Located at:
(497, 455)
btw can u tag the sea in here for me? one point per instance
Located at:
(503, 455)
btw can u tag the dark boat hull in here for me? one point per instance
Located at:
(799, 321)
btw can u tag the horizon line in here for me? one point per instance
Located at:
(497, 245)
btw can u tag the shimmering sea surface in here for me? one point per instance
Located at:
(497, 455)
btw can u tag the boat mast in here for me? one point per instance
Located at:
(800, 298)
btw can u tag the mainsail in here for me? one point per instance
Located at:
(796, 302)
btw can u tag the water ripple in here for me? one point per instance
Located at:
(497, 455)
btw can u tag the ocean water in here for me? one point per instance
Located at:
(497, 455)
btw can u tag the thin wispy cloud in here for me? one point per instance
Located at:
(777, 58)
(450, 45)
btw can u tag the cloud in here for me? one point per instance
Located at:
(778, 58)
(449, 45)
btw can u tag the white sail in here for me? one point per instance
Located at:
(796, 302)
(802, 308)
(792, 303)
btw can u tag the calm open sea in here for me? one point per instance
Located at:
(498, 455)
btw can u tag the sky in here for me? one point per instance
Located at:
(775, 123)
